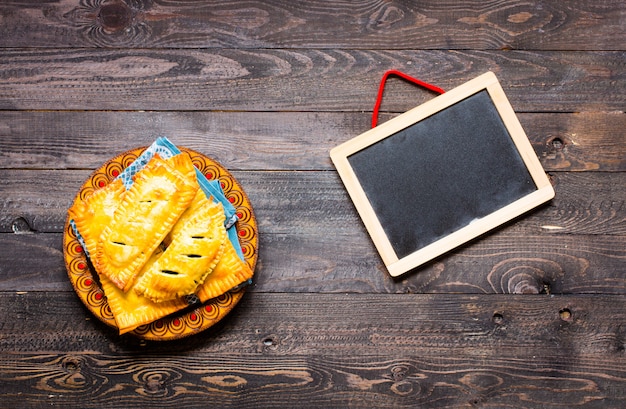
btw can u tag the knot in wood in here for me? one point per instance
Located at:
(270, 343)
(498, 318)
(525, 275)
(115, 16)
(557, 143)
(21, 226)
(71, 364)
(526, 286)
(399, 372)
(154, 386)
(155, 381)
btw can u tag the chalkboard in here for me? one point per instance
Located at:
(442, 174)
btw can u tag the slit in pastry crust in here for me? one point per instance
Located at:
(190, 257)
(229, 272)
(199, 201)
(149, 209)
(131, 310)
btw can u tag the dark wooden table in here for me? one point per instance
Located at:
(531, 315)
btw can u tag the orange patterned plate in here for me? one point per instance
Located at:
(189, 321)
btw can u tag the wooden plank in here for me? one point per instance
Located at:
(575, 245)
(336, 262)
(499, 263)
(297, 80)
(243, 381)
(277, 350)
(293, 323)
(307, 202)
(565, 143)
(29, 261)
(549, 25)
(263, 140)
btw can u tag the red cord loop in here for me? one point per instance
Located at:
(402, 75)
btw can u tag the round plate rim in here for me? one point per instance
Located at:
(234, 295)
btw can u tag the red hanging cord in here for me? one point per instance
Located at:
(402, 75)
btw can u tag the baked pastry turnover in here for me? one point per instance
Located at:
(229, 272)
(92, 214)
(157, 198)
(131, 310)
(199, 201)
(158, 242)
(190, 257)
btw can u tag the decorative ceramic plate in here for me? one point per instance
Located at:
(195, 318)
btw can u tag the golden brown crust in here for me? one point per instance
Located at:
(149, 209)
(95, 212)
(131, 310)
(183, 164)
(198, 202)
(123, 231)
(191, 256)
(229, 272)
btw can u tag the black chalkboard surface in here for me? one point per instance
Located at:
(442, 174)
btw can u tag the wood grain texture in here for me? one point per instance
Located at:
(367, 324)
(501, 263)
(313, 201)
(573, 245)
(456, 351)
(530, 316)
(298, 80)
(586, 141)
(369, 24)
(242, 381)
